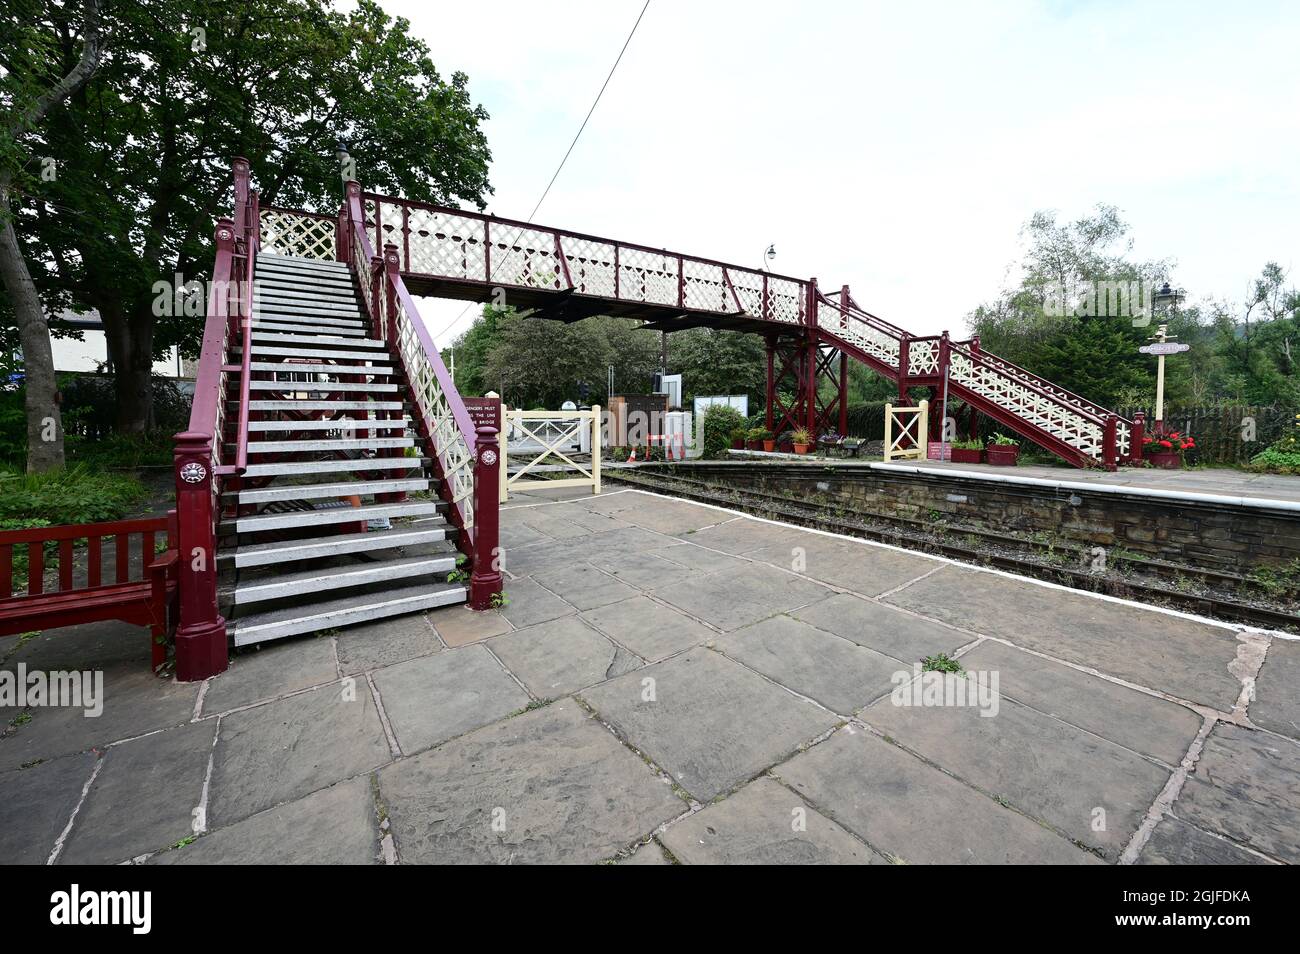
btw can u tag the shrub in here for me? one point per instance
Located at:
(1283, 455)
(720, 421)
(75, 494)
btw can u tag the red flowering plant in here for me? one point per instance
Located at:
(1171, 443)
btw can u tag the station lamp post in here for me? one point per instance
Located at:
(1165, 302)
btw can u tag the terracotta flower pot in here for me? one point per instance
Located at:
(801, 448)
(1003, 455)
(769, 446)
(1164, 460)
(753, 445)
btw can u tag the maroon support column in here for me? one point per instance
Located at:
(1136, 435)
(771, 381)
(1109, 445)
(808, 381)
(485, 579)
(201, 636)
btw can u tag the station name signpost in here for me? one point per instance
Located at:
(1162, 346)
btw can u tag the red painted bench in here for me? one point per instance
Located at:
(149, 600)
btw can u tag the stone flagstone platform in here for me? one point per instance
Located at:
(673, 683)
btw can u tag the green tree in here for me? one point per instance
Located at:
(144, 148)
(41, 71)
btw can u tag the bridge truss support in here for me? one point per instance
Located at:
(807, 386)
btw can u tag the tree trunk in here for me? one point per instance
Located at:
(44, 422)
(130, 345)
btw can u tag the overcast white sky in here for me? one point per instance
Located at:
(898, 147)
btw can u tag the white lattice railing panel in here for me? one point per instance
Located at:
(704, 287)
(647, 276)
(526, 257)
(749, 289)
(297, 234)
(445, 244)
(853, 330)
(922, 357)
(591, 265)
(455, 458)
(785, 300)
(1062, 421)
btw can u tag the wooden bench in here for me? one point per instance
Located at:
(147, 600)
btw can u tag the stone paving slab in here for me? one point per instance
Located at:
(1277, 689)
(583, 586)
(881, 627)
(434, 698)
(1182, 657)
(838, 673)
(274, 670)
(1174, 842)
(644, 571)
(648, 854)
(557, 784)
(530, 602)
(519, 534)
(915, 813)
(854, 566)
(90, 646)
(135, 701)
(665, 516)
(712, 723)
(389, 641)
(560, 657)
(1045, 768)
(35, 805)
(459, 625)
(738, 597)
(651, 630)
(698, 558)
(143, 797)
(1133, 719)
(1246, 786)
(739, 535)
(283, 750)
(335, 826)
(764, 823)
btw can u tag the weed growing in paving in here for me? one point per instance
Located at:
(941, 662)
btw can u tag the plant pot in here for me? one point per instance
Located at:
(1169, 461)
(738, 445)
(1002, 455)
(802, 448)
(785, 447)
(967, 455)
(753, 445)
(769, 446)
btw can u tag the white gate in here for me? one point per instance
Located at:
(564, 437)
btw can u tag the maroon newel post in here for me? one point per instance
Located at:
(1137, 433)
(1109, 444)
(485, 579)
(201, 636)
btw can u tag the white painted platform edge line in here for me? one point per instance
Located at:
(1259, 503)
(1231, 627)
(67, 829)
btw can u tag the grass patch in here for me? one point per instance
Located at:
(76, 494)
(941, 662)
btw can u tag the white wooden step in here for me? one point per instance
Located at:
(302, 264)
(315, 548)
(347, 488)
(255, 405)
(340, 578)
(266, 305)
(361, 443)
(315, 321)
(338, 424)
(310, 518)
(323, 341)
(359, 608)
(321, 386)
(296, 366)
(287, 468)
(273, 351)
(327, 284)
(286, 327)
(287, 288)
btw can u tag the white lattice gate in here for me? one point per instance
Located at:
(535, 437)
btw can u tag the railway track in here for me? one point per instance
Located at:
(1206, 592)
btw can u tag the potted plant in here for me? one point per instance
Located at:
(738, 439)
(785, 442)
(754, 438)
(802, 440)
(768, 439)
(1166, 450)
(1002, 450)
(967, 452)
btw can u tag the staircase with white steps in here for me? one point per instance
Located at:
(329, 441)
